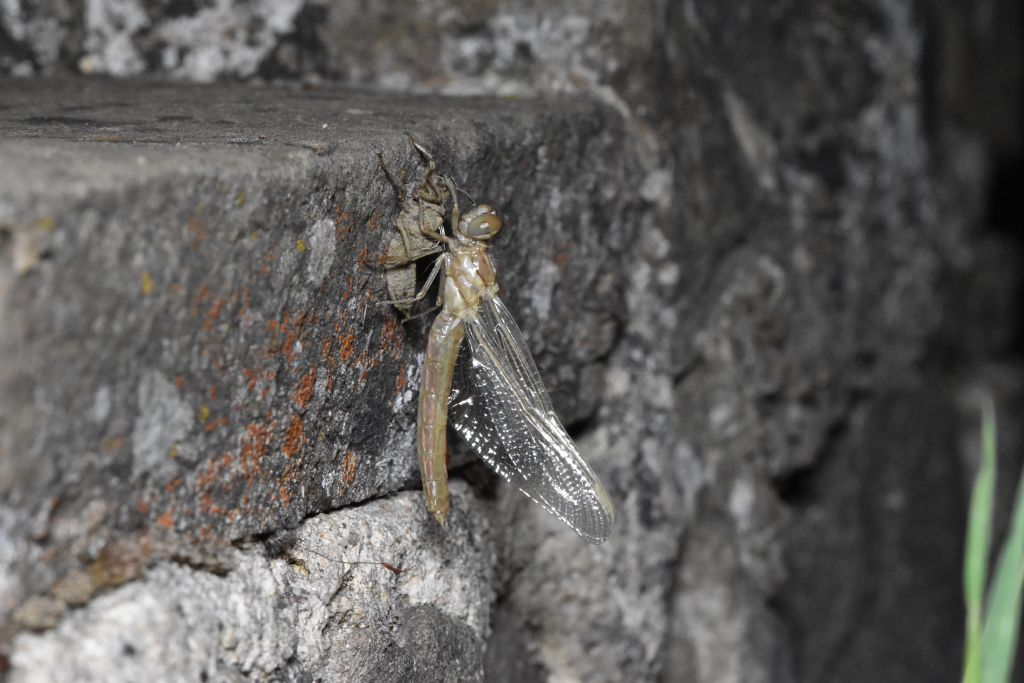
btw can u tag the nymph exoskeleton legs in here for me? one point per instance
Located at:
(400, 191)
(421, 231)
(433, 197)
(439, 263)
(436, 196)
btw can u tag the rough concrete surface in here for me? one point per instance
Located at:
(740, 251)
(191, 358)
(417, 611)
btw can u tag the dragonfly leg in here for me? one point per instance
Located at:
(455, 201)
(436, 195)
(399, 190)
(439, 263)
(421, 313)
(472, 202)
(428, 158)
(426, 230)
(429, 189)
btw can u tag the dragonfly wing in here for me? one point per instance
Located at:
(500, 407)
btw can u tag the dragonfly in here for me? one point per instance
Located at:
(479, 376)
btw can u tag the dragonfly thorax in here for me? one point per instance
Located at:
(469, 276)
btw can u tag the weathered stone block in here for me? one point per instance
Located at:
(194, 349)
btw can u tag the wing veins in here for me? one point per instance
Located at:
(509, 421)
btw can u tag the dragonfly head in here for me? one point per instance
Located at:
(480, 223)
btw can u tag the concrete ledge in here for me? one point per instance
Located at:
(193, 350)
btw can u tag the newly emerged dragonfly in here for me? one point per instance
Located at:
(491, 391)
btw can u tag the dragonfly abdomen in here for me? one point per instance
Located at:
(435, 386)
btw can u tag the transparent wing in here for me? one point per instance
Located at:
(500, 407)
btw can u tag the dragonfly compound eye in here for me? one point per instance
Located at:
(480, 223)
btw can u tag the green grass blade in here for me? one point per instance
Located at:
(1002, 618)
(979, 539)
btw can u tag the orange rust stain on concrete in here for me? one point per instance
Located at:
(250, 379)
(288, 332)
(328, 358)
(391, 334)
(254, 446)
(342, 221)
(202, 294)
(210, 473)
(211, 316)
(213, 392)
(364, 257)
(288, 346)
(166, 520)
(349, 465)
(373, 222)
(275, 330)
(305, 389)
(207, 505)
(293, 437)
(216, 423)
(173, 485)
(208, 477)
(368, 361)
(350, 285)
(142, 506)
(347, 347)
